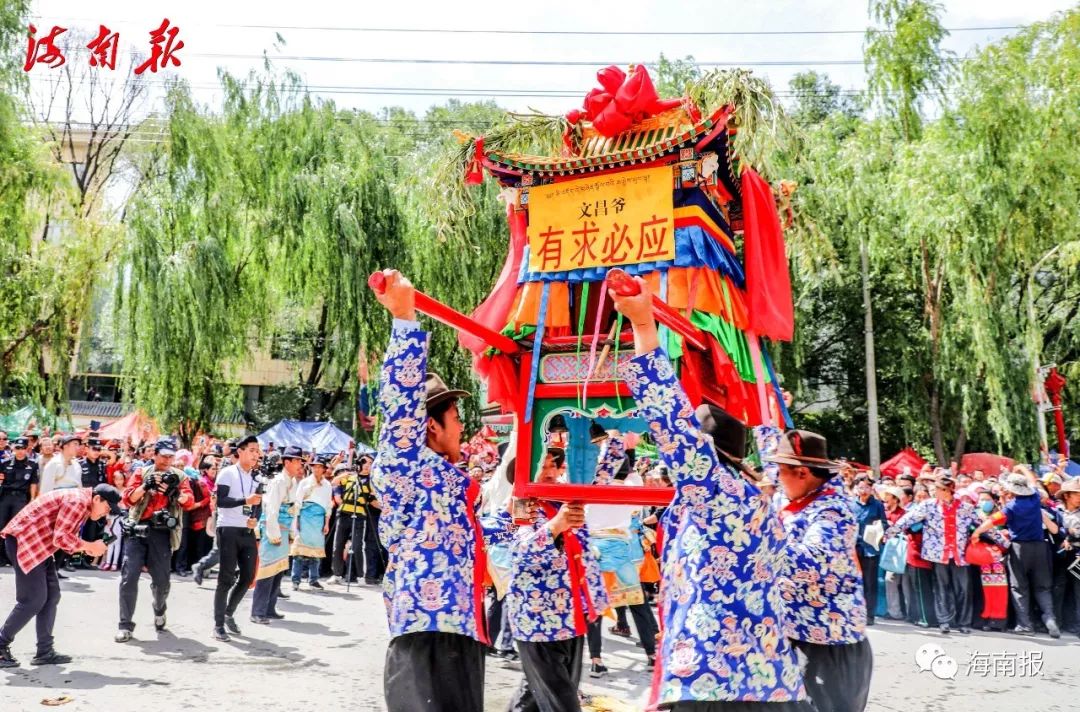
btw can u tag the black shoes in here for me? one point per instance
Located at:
(159, 623)
(597, 670)
(7, 660)
(945, 628)
(964, 629)
(373, 581)
(281, 595)
(275, 616)
(230, 623)
(315, 584)
(197, 572)
(51, 657)
(220, 634)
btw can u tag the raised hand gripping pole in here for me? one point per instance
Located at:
(624, 285)
(451, 317)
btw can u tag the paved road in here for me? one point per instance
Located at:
(328, 654)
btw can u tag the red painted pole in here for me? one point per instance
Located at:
(451, 317)
(623, 284)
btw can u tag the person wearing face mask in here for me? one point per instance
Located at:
(868, 509)
(995, 585)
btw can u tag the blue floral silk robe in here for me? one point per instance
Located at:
(721, 611)
(435, 573)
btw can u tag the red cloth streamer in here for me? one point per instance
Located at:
(493, 313)
(474, 174)
(1055, 384)
(768, 284)
(622, 101)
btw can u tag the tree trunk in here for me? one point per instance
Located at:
(935, 424)
(318, 354)
(961, 443)
(871, 366)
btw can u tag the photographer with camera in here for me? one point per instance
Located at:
(49, 523)
(237, 496)
(156, 497)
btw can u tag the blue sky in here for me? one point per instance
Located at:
(205, 30)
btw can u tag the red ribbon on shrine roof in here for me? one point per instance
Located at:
(622, 101)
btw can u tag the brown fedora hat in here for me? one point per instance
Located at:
(436, 391)
(802, 448)
(1072, 485)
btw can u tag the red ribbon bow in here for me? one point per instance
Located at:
(622, 101)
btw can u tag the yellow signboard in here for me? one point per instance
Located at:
(602, 221)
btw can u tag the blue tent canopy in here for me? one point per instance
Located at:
(320, 438)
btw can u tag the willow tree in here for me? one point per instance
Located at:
(258, 224)
(45, 275)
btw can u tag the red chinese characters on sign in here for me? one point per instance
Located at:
(602, 221)
(160, 55)
(44, 50)
(103, 49)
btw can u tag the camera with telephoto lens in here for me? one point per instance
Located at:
(169, 478)
(161, 519)
(262, 478)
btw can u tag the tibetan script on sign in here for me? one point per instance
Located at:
(604, 221)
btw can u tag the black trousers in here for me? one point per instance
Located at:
(1029, 567)
(10, 505)
(239, 555)
(265, 596)
(182, 556)
(869, 565)
(552, 676)
(348, 527)
(644, 622)
(374, 553)
(434, 672)
(952, 595)
(594, 638)
(154, 551)
(837, 677)
(37, 594)
(919, 595)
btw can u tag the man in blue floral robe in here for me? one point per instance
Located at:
(722, 645)
(821, 581)
(433, 586)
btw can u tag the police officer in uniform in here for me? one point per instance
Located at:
(149, 541)
(18, 485)
(93, 474)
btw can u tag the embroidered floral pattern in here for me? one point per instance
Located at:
(541, 597)
(720, 607)
(426, 524)
(822, 584)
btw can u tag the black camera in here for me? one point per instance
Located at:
(253, 511)
(161, 519)
(169, 478)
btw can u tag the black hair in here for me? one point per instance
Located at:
(438, 411)
(558, 455)
(511, 469)
(821, 473)
(909, 491)
(206, 462)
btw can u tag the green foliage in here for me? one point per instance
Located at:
(957, 215)
(277, 208)
(904, 58)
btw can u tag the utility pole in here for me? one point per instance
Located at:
(871, 366)
(1035, 346)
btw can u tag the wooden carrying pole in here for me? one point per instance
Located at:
(451, 317)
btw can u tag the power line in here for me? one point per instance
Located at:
(572, 33)
(502, 62)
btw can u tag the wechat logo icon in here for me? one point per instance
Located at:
(932, 657)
